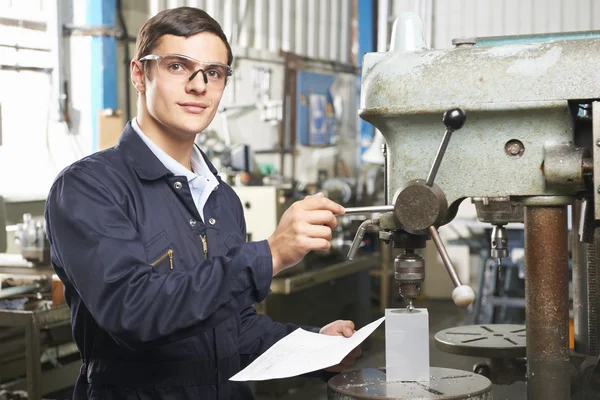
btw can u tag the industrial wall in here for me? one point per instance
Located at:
(38, 145)
(313, 28)
(445, 20)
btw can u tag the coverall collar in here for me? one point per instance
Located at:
(141, 158)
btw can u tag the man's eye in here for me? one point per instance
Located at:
(176, 67)
(213, 74)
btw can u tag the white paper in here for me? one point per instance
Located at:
(301, 352)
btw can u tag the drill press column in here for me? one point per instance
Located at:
(547, 311)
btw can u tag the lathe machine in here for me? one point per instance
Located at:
(515, 128)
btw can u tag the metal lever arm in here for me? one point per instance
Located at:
(358, 238)
(368, 209)
(454, 119)
(462, 295)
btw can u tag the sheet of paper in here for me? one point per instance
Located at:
(301, 352)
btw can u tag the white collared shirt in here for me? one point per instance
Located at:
(202, 181)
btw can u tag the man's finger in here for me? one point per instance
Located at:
(321, 217)
(322, 203)
(318, 231)
(348, 328)
(316, 243)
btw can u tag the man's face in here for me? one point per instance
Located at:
(182, 107)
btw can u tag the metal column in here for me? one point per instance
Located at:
(547, 311)
(102, 13)
(366, 44)
(32, 359)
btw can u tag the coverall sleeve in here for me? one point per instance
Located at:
(105, 261)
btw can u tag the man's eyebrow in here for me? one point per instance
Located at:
(214, 63)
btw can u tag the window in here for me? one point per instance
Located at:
(25, 96)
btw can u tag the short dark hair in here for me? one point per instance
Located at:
(182, 21)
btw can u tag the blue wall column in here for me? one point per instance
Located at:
(366, 44)
(104, 61)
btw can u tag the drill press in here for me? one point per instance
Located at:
(420, 206)
(525, 154)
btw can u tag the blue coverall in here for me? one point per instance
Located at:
(161, 303)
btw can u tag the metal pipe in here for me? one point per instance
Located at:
(444, 255)
(368, 209)
(16, 290)
(18, 47)
(19, 68)
(547, 305)
(20, 23)
(385, 171)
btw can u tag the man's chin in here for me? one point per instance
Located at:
(190, 129)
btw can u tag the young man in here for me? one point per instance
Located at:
(150, 243)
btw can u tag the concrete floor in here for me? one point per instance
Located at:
(442, 315)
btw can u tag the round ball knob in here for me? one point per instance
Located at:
(463, 295)
(454, 118)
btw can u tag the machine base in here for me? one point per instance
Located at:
(445, 383)
(487, 340)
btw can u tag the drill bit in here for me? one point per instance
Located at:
(410, 307)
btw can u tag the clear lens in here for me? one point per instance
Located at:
(181, 68)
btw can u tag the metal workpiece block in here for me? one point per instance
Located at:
(407, 344)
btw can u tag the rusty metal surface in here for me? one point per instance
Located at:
(547, 306)
(445, 383)
(418, 206)
(592, 295)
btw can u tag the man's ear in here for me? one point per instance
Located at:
(137, 76)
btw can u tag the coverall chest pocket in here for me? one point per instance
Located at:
(160, 254)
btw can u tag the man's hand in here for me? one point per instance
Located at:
(304, 227)
(342, 328)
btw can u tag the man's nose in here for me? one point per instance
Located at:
(198, 85)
